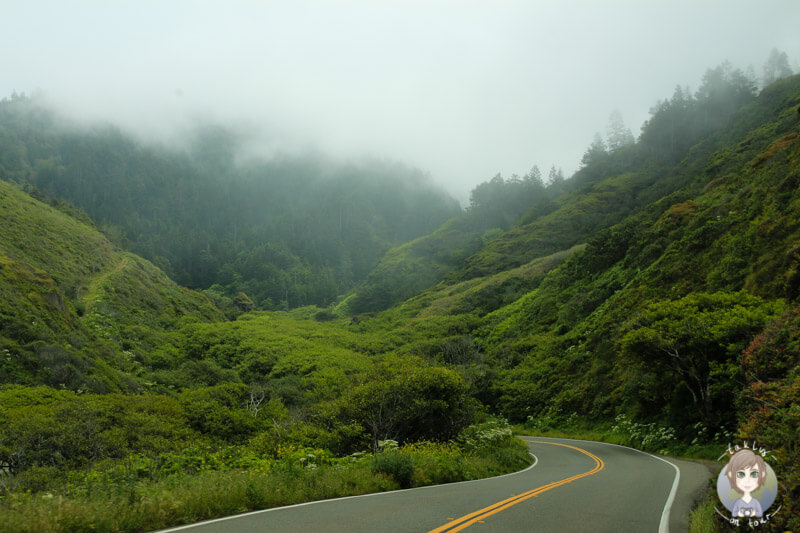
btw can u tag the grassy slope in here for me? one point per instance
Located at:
(484, 294)
(553, 339)
(580, 213)
(597, 197)
(406, 270)
(737, 231)
(70, 300)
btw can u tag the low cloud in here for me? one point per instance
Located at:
(460, 89)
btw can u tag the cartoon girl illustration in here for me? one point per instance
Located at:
(746, 472)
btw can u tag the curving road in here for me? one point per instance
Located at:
(572, 486)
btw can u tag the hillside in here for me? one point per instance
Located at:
(734, 228)
(729, 227)
(512, 222)
(116, 384)
(634, 232)
(76, 311)
(675, 322)
(115, 381)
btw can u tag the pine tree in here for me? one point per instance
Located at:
(555, 176)
(619, 135)
(596, 150)
(776, 67)
(534, 175)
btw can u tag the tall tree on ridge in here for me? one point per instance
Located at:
(555, 176)
(619, 135)
(534, 175)
(596, 150)
(776, 67)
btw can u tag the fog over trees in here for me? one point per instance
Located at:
(462, 92)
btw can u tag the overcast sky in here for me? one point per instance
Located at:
(461, 89)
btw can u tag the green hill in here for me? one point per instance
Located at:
(674, 323)
(76, 312)
(725, 231)
(512, 222)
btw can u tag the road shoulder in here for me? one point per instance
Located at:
(695, 478)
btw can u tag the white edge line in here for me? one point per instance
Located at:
(663, 525)
(261, 511)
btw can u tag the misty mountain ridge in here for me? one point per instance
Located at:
(512, 222)
(288, 232)
(306, 229)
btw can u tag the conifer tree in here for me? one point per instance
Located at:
(595, 151)
(776, 68)
(555, 176)
(534, 175)
(619, 135)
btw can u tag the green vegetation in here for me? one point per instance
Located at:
(160, 407)
(650, 300)
(144, 492)
(76, 312)
(704, 518)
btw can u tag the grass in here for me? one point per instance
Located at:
(152, 505)
(704, 518)
(579, 434)
(627, 434)
(147, 504)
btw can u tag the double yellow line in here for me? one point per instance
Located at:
(467, 520)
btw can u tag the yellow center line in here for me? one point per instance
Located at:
(467, 520)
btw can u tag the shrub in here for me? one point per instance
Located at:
(398, 466)
(649, 437)
(493, 433)
(551, 419)
(408, 401)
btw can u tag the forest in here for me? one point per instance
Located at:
(288, 232)
(182, 329)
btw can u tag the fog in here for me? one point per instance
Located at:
(460, 89)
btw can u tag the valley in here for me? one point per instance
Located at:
(181, 343)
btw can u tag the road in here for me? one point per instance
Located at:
(572, 486)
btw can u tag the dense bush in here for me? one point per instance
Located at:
(404, 400)
(397, 466)
(770, 408)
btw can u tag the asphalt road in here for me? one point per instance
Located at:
(572, 486)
